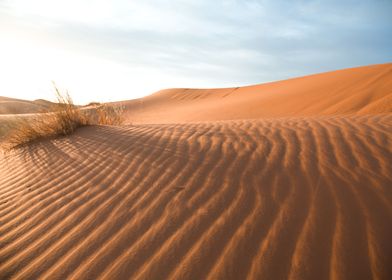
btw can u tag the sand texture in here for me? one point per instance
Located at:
(287, 180)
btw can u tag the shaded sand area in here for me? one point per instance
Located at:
(300, 190)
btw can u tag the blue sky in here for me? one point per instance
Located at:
(115, 50)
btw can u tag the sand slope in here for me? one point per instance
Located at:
(19, 106)
(291, 197)
(363, 90)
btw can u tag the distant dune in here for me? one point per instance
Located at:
(18, 106)
(285, 180)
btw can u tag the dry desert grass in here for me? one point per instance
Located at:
(61, 119)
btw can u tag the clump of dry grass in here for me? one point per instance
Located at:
(109, 115)
(93, 104)
(62, 119)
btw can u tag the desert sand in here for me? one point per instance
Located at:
(284, 180)
(18, 106)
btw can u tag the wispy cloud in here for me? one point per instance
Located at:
(196, 43)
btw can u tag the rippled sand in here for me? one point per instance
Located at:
(212, 192)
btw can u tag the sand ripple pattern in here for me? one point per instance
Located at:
(289, 198)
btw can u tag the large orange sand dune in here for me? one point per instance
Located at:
(288, 180)
(364, 90)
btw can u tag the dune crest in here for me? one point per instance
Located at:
(362, 90)
(214, 191)
(10, 106)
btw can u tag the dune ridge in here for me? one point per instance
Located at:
(279, 197)
(11, 106)
(362, 90)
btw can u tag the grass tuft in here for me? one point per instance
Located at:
(62, 119)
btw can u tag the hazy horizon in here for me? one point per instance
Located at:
(103, 51)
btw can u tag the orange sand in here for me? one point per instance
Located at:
(286, 180)
(18, 106)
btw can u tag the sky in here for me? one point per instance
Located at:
(121, 49)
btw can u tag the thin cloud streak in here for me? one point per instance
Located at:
(157, 44)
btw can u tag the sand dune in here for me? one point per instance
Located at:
(289, 195)
(19, 106)
(363, 90)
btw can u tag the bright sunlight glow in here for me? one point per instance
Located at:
(119, 50)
